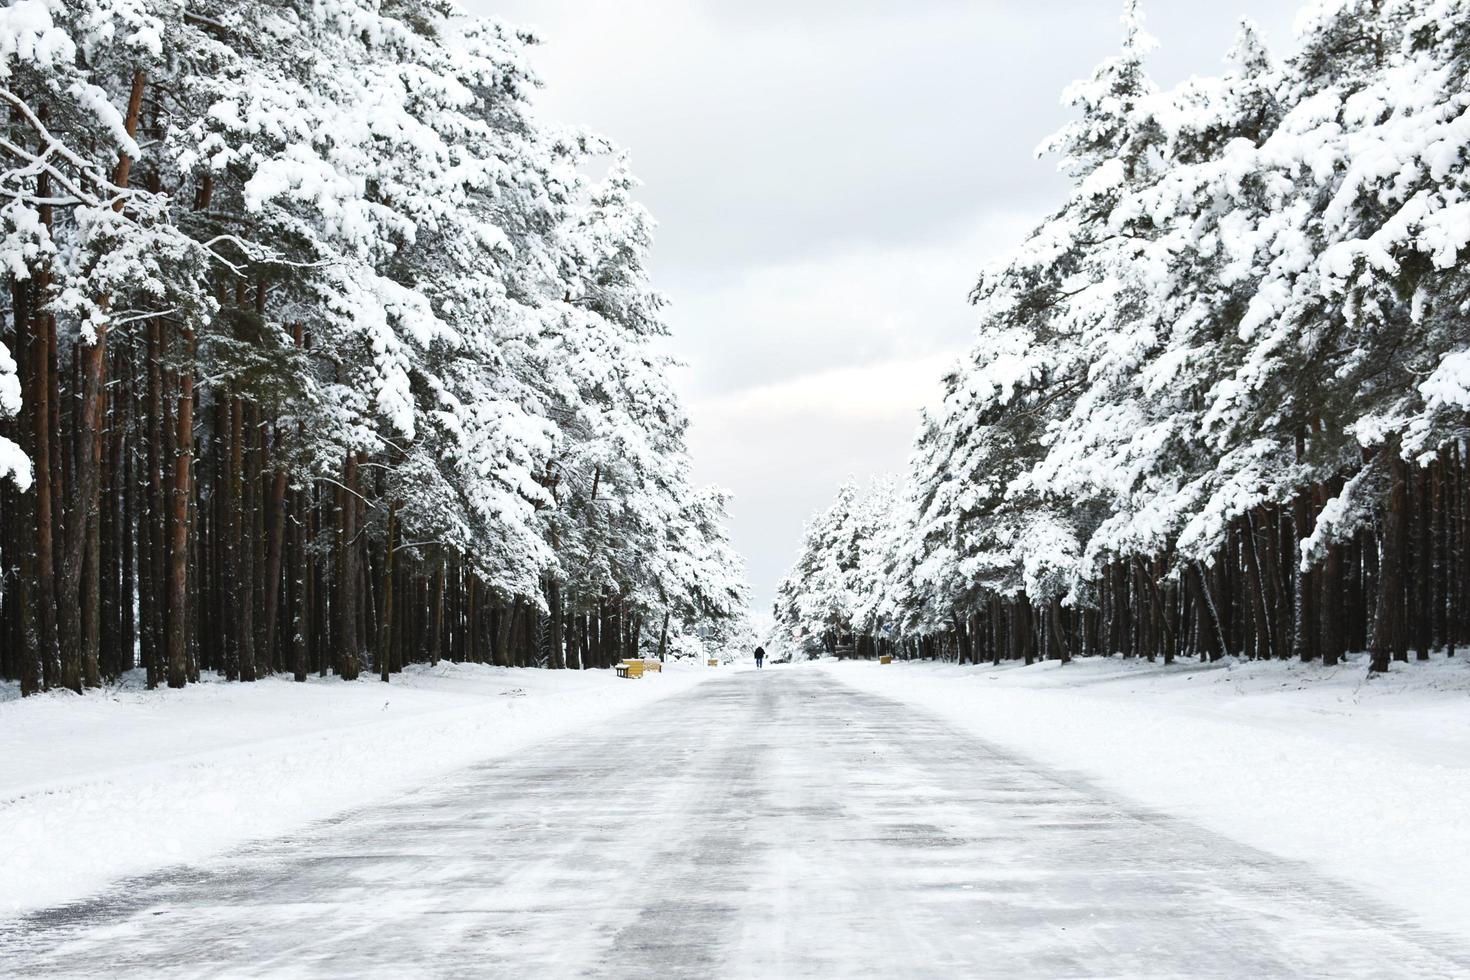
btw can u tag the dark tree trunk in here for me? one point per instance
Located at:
(1388, 628)
(349, 648)
(1423, 576)
(436, 640)
(555, 641)
(275, 556)
(178, 556)
(1058, 635)
(386, 651)
(1214, 635)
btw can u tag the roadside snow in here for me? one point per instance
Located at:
(127, 781)
(1366, 780)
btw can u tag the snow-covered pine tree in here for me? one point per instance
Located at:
(1216, 401)
(352, 330)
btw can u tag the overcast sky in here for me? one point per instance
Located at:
(828, 177)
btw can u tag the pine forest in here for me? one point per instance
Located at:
(324, 353)
(1217, 401)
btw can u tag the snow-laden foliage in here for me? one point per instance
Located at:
(341, 224)
(832, 591)
(1253, 301)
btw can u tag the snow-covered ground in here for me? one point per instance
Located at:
(127, 781)
(772, 824)
(1366, 780)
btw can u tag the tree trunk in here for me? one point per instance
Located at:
(555, 641)
(1210, 611)
(349, 649)
(385, 624)
(966, 650)
(1329, 607)
(301, 592)
(241, 545)
(178, 573)
(1256, 586)
(154, 591)
(1423, 576)
(437, 639)
(1388, 624)
(275, 551)
(1058, 635)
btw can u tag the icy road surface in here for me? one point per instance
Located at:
(776, 825)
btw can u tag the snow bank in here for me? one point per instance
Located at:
(128, 781)
(1366, 780)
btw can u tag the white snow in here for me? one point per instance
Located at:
(27, 33)
(14, 464)
(1367, 781)
(129, 781)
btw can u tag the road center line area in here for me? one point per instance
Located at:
(765, 824)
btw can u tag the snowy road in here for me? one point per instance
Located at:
(773, 824)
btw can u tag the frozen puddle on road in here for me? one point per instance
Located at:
(773, 824)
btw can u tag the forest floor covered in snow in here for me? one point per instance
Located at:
(1367, 780)
(127, 781)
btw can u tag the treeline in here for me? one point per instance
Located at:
(1217, 404)
(323, 354)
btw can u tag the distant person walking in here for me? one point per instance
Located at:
(760, 657)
